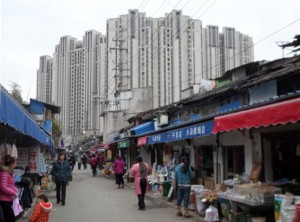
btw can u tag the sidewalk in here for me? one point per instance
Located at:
(158, 199)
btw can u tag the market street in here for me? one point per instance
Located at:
(96, 199)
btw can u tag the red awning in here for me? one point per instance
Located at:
(142, 141)
(273, 114)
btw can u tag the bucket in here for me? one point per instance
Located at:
(297, 217)
(259, 219)
(297, 199)
(285, 203)
(277, 206)
(161, 178)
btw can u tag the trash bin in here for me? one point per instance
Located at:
(166, 188)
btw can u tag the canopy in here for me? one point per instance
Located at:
(14, 115)
(143, 128)
(273, 114)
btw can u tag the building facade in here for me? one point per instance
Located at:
(77, 70)
(44, 79)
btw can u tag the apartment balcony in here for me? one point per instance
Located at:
(114, 106)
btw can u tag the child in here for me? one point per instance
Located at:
(42, 209)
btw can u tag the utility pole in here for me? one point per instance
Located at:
(120, 85)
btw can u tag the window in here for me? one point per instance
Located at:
(234, 160)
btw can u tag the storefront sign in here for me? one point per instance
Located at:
(142, 141)
(197, 130)
(123, 144)
(22, 160)
(34, 154)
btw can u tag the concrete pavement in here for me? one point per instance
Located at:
(95, 198)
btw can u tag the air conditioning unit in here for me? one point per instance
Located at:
(162, 119)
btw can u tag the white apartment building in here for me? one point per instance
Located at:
(236, 49)
(77, 70)
(169, 54)
(44, 79)
(142, 63)
(61, 95)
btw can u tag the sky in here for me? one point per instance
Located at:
(32, 28)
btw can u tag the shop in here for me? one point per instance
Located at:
(23, 138)
(128, 151)
(270, 138)
(170, 146)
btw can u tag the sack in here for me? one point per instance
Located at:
(17, 207)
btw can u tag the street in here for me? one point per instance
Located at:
(96, 199)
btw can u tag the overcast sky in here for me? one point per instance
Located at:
(31, 28)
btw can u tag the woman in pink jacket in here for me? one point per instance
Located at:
(140, 172)
(8, 191)
(119, 171)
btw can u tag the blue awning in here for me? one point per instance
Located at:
(143, 128)
(14, 115)
(197, 130)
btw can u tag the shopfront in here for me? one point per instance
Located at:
(271, 133)
(170, 146)
(128, 151)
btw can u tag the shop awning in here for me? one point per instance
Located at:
(142, 141)
(272, 114)
(14, 115)
(196, 130)
(124, 144)
(143, 128)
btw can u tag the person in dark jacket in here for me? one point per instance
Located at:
(184, 175)
(61, 170)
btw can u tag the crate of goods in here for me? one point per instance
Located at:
(261, 192)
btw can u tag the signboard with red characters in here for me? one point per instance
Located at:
(33, 164)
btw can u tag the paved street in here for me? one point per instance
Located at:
(96, 199)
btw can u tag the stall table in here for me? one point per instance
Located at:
(248, 205)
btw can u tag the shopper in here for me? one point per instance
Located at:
(79, 161)
(84, 161)
(61, 170)
(119, 172)
(42, 209)
(140, 172)
(8, 191)
(184, 174)
(94, 164)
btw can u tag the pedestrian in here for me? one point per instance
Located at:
(183, 175)
(79, 161)
(8, 191)
(84, 161)
(119, 171)
(139, 172)
(94, 164)
(61, 170)
(42, 209)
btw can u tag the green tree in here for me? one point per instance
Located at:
(55, 128)
(15, 91)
